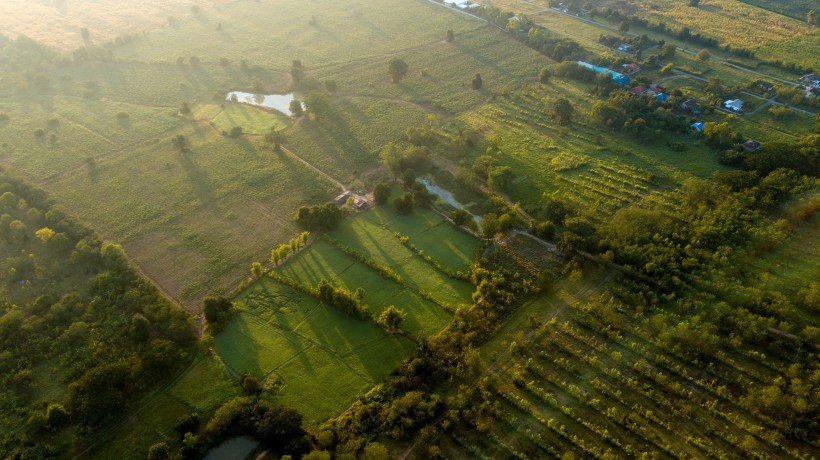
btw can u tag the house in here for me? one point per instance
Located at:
(662, 97)
(764, 85)
(638, 90)
(655, 88)
(697, 127)
(751, 145)
(618, 78)
(342, 199)
(735, 105)
(624, 47)
(812, 79)
(690, 106)
(631, 68)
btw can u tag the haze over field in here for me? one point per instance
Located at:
(411, 229)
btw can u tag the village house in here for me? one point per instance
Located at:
(697, 127)
(751, 145)
(735, 105)
(690, 106)
(765, 86)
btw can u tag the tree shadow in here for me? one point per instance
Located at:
(200, 182)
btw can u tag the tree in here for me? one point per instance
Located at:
(159, 451)
(45, 234)
(235, 132)
(669, 50)
(450, 35)
(297, 75)
(56, 415)
(295, 108)
(381, 193)
(250, 384)
(562, 111)
(477, 81)
(180, 142)
(318, 104)
(811, 17)
(623, 27)
(544, 75)
(397, 69)
(390, 318)
(404, 203)
(694, 3)
(703, 56)
(218, 311)
(256, 270)
(185, 109)
(408, 177)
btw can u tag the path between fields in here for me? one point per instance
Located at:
(585, 291)
(314, 168)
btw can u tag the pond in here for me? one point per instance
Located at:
(232, 449)
(446, 196)
(280, 102)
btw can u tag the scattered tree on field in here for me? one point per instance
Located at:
(476, 83)
(180, 142)
(390, 318)
(318, 104)
(381, 193)
(562, 111)
(250, 384)
(159, 451)
(235, 132)
(669, 50)
(218, 310)
(450, 35)
(295, 108)
(694, 3)
(256, 270)
(544, 75)
(623, 27)
(404, 203)
(397, 69)
(185, 109)
(703, 56)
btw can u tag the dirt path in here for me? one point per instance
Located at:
(314, 168)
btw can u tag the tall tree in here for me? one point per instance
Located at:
(391, 317)
(563, 111)
(397, 69)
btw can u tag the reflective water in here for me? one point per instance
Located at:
(280, 102)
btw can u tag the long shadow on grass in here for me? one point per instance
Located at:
(200, 183)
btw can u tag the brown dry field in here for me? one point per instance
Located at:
(58, 23)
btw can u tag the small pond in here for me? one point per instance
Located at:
(232, 449)
(280, 102)
(446, 196)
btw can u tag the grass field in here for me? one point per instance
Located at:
(59, 24)
(317, 357)
(379, 244)
(193, 221)
(343, 31)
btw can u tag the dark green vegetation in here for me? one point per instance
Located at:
(628, 271)
(82, 334)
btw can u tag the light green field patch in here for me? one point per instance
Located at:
(252, 120)
(205, 398)
(323, 261)
(276, 303)
(336, 331)
(248, 344)
(319, 385)
(380, 245)
(371, 359)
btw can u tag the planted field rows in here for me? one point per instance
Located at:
(569, 387)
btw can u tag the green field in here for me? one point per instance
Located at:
(316, 358)
(379, 244)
